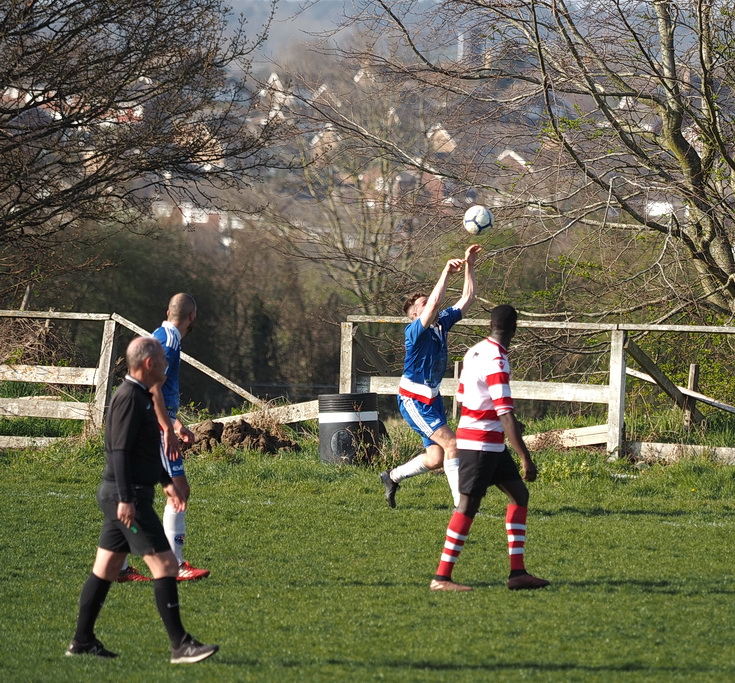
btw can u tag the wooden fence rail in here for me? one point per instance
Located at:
(611, 393)
(100, 378)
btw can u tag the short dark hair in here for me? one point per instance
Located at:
(503, 318)
(411, 301)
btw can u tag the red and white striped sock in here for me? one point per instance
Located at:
(459, 527)
(515, 527)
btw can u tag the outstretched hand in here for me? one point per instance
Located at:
(454, 265)
(470, 255)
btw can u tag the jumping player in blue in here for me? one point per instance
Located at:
(424, 367)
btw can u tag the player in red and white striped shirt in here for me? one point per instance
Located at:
(484, 460)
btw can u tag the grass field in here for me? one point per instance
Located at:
(314, 578)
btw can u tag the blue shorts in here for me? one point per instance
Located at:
(424, 418)
(175, 468)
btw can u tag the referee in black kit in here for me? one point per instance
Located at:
(125, 496)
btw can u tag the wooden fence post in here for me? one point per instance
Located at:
(346, 360)
(616, 404)
(691, 403)
(103, 376)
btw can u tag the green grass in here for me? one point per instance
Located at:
(37, 426)
(314, 578)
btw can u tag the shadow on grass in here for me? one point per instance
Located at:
(693, 586)
(382, 583)
(518, 666)
(605, 512)
(418, 506)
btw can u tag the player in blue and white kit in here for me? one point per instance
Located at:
(424, 367)
(180, 317)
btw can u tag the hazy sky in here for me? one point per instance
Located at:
(292, 24)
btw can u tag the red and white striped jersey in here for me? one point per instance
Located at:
(484, 392)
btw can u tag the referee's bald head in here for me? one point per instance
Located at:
(139, 349)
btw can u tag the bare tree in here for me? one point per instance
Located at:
(600, 133)
(373, 223)
(106, 106)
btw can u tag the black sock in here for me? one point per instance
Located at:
(517, 572)
(167, 601)
(94, 592)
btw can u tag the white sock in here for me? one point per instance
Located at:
(451, 469)
(174, 526)
(125, 564)
(412, 468)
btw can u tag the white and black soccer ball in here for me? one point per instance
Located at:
(477, 219)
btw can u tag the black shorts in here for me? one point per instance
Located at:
(478, 470)
(145, 536)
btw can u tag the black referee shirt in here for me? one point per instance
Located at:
(133, 441)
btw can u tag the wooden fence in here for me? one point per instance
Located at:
(99, 378)
(612, 393)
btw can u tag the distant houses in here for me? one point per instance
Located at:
(525, 163)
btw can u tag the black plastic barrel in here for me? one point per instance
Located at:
(349, 429)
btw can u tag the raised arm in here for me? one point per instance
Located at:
(433, 302)
(468, 291)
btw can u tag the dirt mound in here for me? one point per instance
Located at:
(238, 434)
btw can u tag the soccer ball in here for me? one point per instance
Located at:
(477, 219)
